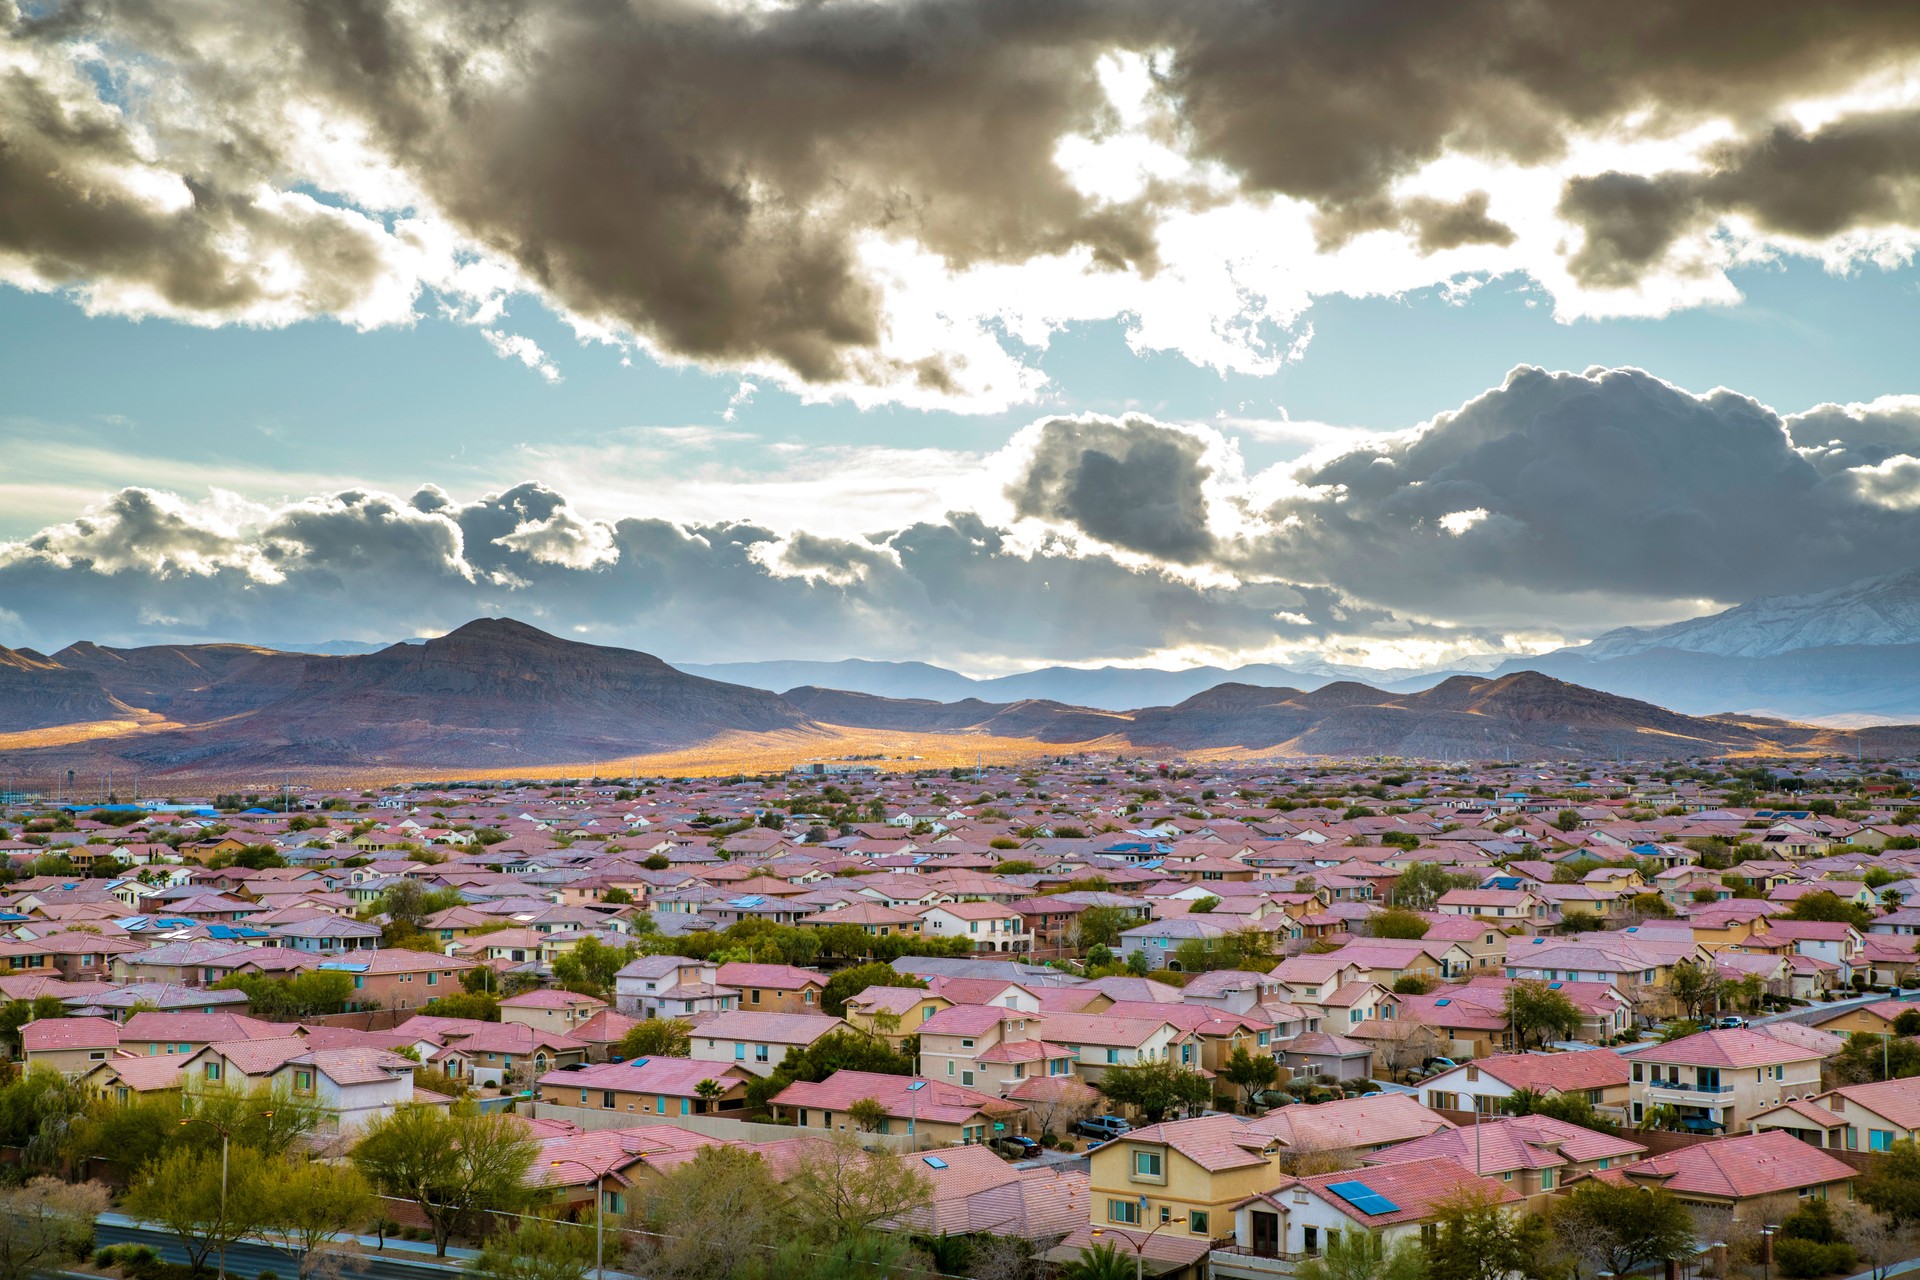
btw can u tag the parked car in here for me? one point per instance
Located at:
(1439, 1064)
(1731, 1021)
(1018, 1146)
(1105, 1128)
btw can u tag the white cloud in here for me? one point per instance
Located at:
(514, 346)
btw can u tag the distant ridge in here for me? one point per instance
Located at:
(498, 693)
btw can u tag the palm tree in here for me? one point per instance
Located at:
(1101, 1262)
(708, 1091)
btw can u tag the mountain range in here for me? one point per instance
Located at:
(498, 694)
(1849, 655)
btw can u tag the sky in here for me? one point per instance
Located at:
(1150, 333)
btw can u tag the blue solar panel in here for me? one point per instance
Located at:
(1363, 1197)
(934, 1162)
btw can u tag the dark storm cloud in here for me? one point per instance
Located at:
(1862, 172)
(703, 174)
(1433, 225)
(1609, 482)
(195, 247)
(1133, 484)
(147, 566)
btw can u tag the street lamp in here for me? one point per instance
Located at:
(1766, 1251)
(1139, 1247)
(599, 1211)
(225, 1130)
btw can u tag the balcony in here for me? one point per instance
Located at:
(1704, 1096)
(1235, 1262)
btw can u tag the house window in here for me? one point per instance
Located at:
(1146, 1164)
(1128, 1212)
(1113, 1055)
(1879, 1139)
(433, 979)
(1197, 1222)
(739, 1052)
(606, 1099)
(1546, 1179)
(760, 1053)
(303, 1081)
(213, 1071)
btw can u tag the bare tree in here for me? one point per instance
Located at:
(1875, 1238)
(46, 1224)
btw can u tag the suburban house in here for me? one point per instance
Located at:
(1535, 1155)
(1098, 1042)
(1599, 1075)
(931, 1112)
(989, 1047)
(758, 1041)
(354, 1087)
(1390, 1202)
(773, 988)
(1351, 1128)
(1719, 1080)
(71, 1046)
(893, 1013)
(1854, 1117)
(671, 987)
(551, 1009)
(395, 978)
(649, 1086)
(1746, 1174)
(989, 926)
(1184, 1175)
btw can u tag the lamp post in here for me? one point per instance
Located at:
(1766, 1251)
(1139, 1248)
(599, 1213)
(226, 1136)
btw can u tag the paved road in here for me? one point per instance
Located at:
(1816, 1012)
(249, 1258)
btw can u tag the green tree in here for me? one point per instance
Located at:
(1477, 1238)
(1422, 884)
(535, 1249)
(452, 1163)
(182, 1193)
(1568, 1108)
(709, 1092)
(1099, 1261)
(1250, 1073)
(1538, 1014)
(407, 904)
(15, 1014)
(867, 1113)
(1830, 908)
(45, 1224)
(1155, 1087)
(1892, 1185)
(1621, 1228)
(1412, 984)
(1566, 820)
(315, 1206)
(657, 1038)
(1696, 988)
(1398, 922)
(589, 968)
(835, 1051)
(841, 1189)
(1361, 1255)
(741, 1211)
(848, 983)
(1100, 926)
(477, 1005)
(271, 1119)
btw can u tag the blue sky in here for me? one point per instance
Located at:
(810, 330)
(284, 411)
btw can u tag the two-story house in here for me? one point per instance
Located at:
(989, 1047)
(1717, 1081)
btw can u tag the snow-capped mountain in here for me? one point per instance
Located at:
(1871, 611)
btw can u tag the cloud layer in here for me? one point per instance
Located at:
(1554, 506)
(894, 199)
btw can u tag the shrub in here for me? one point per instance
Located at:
(1808, 1259)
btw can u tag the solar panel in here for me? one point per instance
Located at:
(1443, 1002)
(934, 1162)
(1363, 1197)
